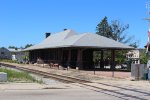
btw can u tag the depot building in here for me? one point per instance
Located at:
(68, 48)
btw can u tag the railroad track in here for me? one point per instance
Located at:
(61, 78)
(82, 83)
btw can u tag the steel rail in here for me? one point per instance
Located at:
(68, 79)
(63, 78)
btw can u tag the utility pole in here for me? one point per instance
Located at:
(148, 19)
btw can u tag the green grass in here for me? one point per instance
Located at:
(16, 76)
(8, 60)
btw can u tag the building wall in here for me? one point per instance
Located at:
(17, 54)
(134, 55)
(20, 56)
(64, 56)
(5, 53)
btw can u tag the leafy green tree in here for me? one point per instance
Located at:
(115, 30)
(135, 45)
(22, 47)
(121, 56)
(143, 57)
(13, 47)
(118, 30)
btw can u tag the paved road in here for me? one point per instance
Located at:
(56, 94)
(114, 91)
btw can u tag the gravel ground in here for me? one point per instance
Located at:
(87, 75)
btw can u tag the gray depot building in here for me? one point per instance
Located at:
(68, 48)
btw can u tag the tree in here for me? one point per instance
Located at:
(115, 30)
(143, 57)
(118, 30)
(28, 45)
(12, 47)
(104, 29)
(22, 47)
(135, 45)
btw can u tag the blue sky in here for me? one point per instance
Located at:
(26, 21)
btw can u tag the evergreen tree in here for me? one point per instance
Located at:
(104, 29)
(28, 45)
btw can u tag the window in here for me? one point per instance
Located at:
(2, 53)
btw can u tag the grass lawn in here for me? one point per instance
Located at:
(16, 76)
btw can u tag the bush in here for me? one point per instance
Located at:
(129, 62)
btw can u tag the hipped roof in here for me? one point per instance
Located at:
(70, 38)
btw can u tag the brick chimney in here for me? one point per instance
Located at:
(47, 35)
(65, 29)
